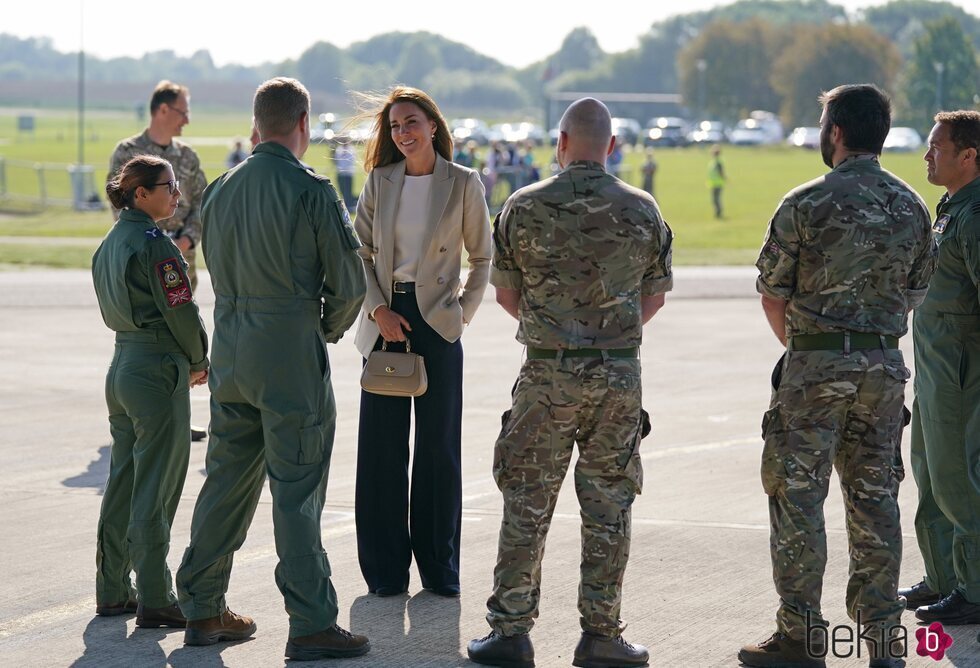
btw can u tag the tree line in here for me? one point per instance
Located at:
(752, 54)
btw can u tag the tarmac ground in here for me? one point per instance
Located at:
(698, 584)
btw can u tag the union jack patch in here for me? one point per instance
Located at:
(174, 282)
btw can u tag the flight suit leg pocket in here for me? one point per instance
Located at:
(177, 370)
(310, 445)
(773, 468)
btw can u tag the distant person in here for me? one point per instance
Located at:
(716, 180)
(417, 213)
(581, 304)
(462, 156)
(649, 172)
(345, 161)
(946, 412)
(170, 111)
(615, 161)
(161, 352)
(846, 257)
(237, 155)
(287, 280)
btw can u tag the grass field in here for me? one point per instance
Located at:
(757, 179)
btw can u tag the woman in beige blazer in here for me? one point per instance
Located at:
(416, 214)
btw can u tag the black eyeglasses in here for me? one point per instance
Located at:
(172, 186)
(185, 114)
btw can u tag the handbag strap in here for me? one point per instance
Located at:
(408, 345)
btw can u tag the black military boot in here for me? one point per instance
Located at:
(153, 618)
(918, 595)
(781, 651)
(596, 651)
(505, 651)
(885, 653)
(951, 611)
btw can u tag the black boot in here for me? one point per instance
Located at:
(951, 611)
(918, 595)
(505, 651)
(596, 651)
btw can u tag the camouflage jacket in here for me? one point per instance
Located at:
(850, 250)
(582, 247)
(186, 222)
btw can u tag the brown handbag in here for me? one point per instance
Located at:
(395, 374)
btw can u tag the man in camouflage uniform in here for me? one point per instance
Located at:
(582, 260)
(946, 412)
(846, 257)
(170, 111)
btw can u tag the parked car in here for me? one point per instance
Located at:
(707, 132)
(760, 128)
(804, 137)
(903, 139)
(626, 130)
(515, 133)
(325, 130)
(466, 129)
(665, 131)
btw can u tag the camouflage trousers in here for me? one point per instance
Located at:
(845, 411)
(557, 404)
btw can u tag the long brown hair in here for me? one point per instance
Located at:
(143, 170)
(381, 149)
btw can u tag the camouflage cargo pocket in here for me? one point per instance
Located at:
(498, 449)
(773, 468)
(633, 469)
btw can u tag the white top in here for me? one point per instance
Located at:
(410, 224)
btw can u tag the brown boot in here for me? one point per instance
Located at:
(153, 618)
(226, 626)
(332, 643)
(783, 651)
(114, 609)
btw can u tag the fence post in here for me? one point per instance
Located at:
(41, 186)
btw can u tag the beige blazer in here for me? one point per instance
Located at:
(458, 218)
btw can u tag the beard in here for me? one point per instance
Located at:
(826, 147)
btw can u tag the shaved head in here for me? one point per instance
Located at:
(586, 132)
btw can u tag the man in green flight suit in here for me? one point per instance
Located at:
(946, 412)
(287, 279)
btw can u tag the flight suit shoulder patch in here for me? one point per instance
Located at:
(174, 282)
(154, 233)
(350, 236)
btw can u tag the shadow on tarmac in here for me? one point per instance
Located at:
(429, 638)
(95, 475)
(107, 644)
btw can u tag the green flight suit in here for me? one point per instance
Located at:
(282, 256)
(145, 296)
(946, 412)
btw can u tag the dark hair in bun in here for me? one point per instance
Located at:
(143, 170)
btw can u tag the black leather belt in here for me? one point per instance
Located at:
(844, 341)
(402, 287)
(550, 354)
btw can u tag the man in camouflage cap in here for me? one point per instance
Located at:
(846, 257)
(582, 260)
(170, 111)
(946, 412)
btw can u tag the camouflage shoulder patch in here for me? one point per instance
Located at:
(154, 233)
(350, 236)
(173, 281)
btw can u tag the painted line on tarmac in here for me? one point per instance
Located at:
(659, 453)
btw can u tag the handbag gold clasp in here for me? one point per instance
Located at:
(390, 369)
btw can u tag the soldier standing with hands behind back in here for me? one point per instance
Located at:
(946, 412)
(846, 257)
(582, 260)
(170, 111)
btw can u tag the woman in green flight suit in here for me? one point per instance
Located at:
(161, 352)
